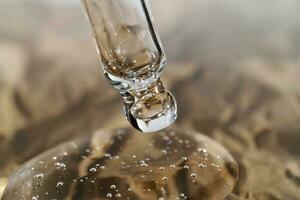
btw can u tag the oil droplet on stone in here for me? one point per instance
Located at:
(138, 171)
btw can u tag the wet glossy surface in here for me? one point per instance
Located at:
(124, 164)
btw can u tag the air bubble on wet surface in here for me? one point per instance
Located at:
(116, 157)
(113, 187)
(108, 155)
(60, 165)
(186, 167)
(201, 150)
(201, 165)
(109, 195)
(38, 176)
(102, 167)
(184, 158)
(164, 151)
(172, 166)
(59, 184)
(93, 169)
(118, 195)
(143, 163)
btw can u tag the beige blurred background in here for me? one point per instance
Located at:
(234, 67)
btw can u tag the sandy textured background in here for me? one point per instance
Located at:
(233, 66)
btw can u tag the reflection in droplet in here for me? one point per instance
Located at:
(121, 165)
(59, 184)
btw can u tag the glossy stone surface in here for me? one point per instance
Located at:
(124, 164)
